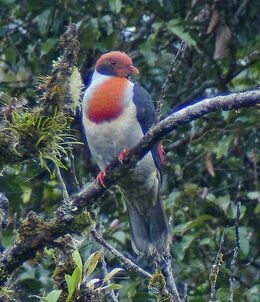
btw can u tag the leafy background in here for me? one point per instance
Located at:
(210, 164)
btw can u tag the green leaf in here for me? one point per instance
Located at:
(115, 5)
(112, 274)
(107, 24)
(91, 263)
(7, 2)
(146, 49)
(72, 282)
(205, 241)
(244, 241)
(48, 45)
(231, 212)
(120, 236)
(75, 278)
(243, 237)
(77, 259)
(222, 202)
(175, 27)
(181, 247)
(92, 282)
(26, 196)
(222, 294)
(257, 209)
(253, 195)
(53, 296)
(223, 145)
(43, 21)
(253, 293)
(69, 282)
(110, 286)
(182, 228)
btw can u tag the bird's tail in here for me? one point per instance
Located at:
(150, 230)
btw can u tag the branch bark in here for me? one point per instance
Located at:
(36, 233)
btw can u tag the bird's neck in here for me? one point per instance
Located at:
(106, 102)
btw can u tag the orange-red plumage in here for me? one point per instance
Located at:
(106, 102)
(116, 56)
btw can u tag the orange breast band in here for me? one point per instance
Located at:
(106, 102)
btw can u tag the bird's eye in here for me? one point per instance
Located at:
(113, 62)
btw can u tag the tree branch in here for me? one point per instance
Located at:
(4, 212)
(235, 255)
(127, 262)
(168, 272)
(35, 233)
(175, 63)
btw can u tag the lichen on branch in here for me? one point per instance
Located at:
(44, 131)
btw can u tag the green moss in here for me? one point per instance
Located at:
(83, 220)
(87, 294)
(67, 221)
(164, 298)
(3, 274)
(63, 266)
(157, 281)
(32, 231)
(215, 269)
(8, 153)
(157, 284)
(48, 137)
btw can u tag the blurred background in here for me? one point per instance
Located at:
(211, 164)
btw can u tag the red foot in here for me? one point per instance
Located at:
(122, 155)
(100, 177)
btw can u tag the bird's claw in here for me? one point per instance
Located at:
(122, 155)
(100, 177)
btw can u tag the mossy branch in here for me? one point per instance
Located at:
(44, 131)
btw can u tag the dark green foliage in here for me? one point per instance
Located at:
(210, 164)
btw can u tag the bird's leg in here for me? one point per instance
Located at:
(102, 173)
(122, 155)
(161, 154)
(100, 177)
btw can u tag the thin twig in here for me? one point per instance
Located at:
(62, 183)
(127, 262)
(73, 171)
(235, 255)
(192, 133)
(185, 295)
(215, 268)
(173, 67)
(112, 294)
(168, 272)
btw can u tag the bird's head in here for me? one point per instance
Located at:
(116, 63)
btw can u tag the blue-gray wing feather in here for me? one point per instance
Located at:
(146, 116)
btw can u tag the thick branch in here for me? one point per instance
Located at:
(182, 117)
(27, 244)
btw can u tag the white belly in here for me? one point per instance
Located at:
(106, 140)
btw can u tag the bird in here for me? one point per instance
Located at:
(116, 113)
